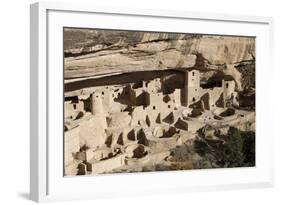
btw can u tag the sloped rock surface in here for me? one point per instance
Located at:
(92, 53)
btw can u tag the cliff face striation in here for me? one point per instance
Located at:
(96, 53)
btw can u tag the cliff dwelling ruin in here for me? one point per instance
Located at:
(144, 101)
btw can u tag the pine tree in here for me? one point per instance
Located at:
(233, 149)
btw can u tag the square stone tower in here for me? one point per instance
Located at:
(228, 90)
(191, 87)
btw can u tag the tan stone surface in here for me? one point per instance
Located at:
(132, 100)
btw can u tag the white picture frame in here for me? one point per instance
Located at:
(46, 133)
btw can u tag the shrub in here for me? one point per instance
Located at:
(249, 144)
(239, 149)
(233, 149)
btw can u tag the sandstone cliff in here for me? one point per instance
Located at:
(96, 53)
(100, 52)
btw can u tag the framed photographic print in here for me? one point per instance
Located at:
(129, 102)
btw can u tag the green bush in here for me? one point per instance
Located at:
(233, 149)
(239, 149)
(249, 145)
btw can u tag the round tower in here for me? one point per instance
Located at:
(96, 104)
(97, 108)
